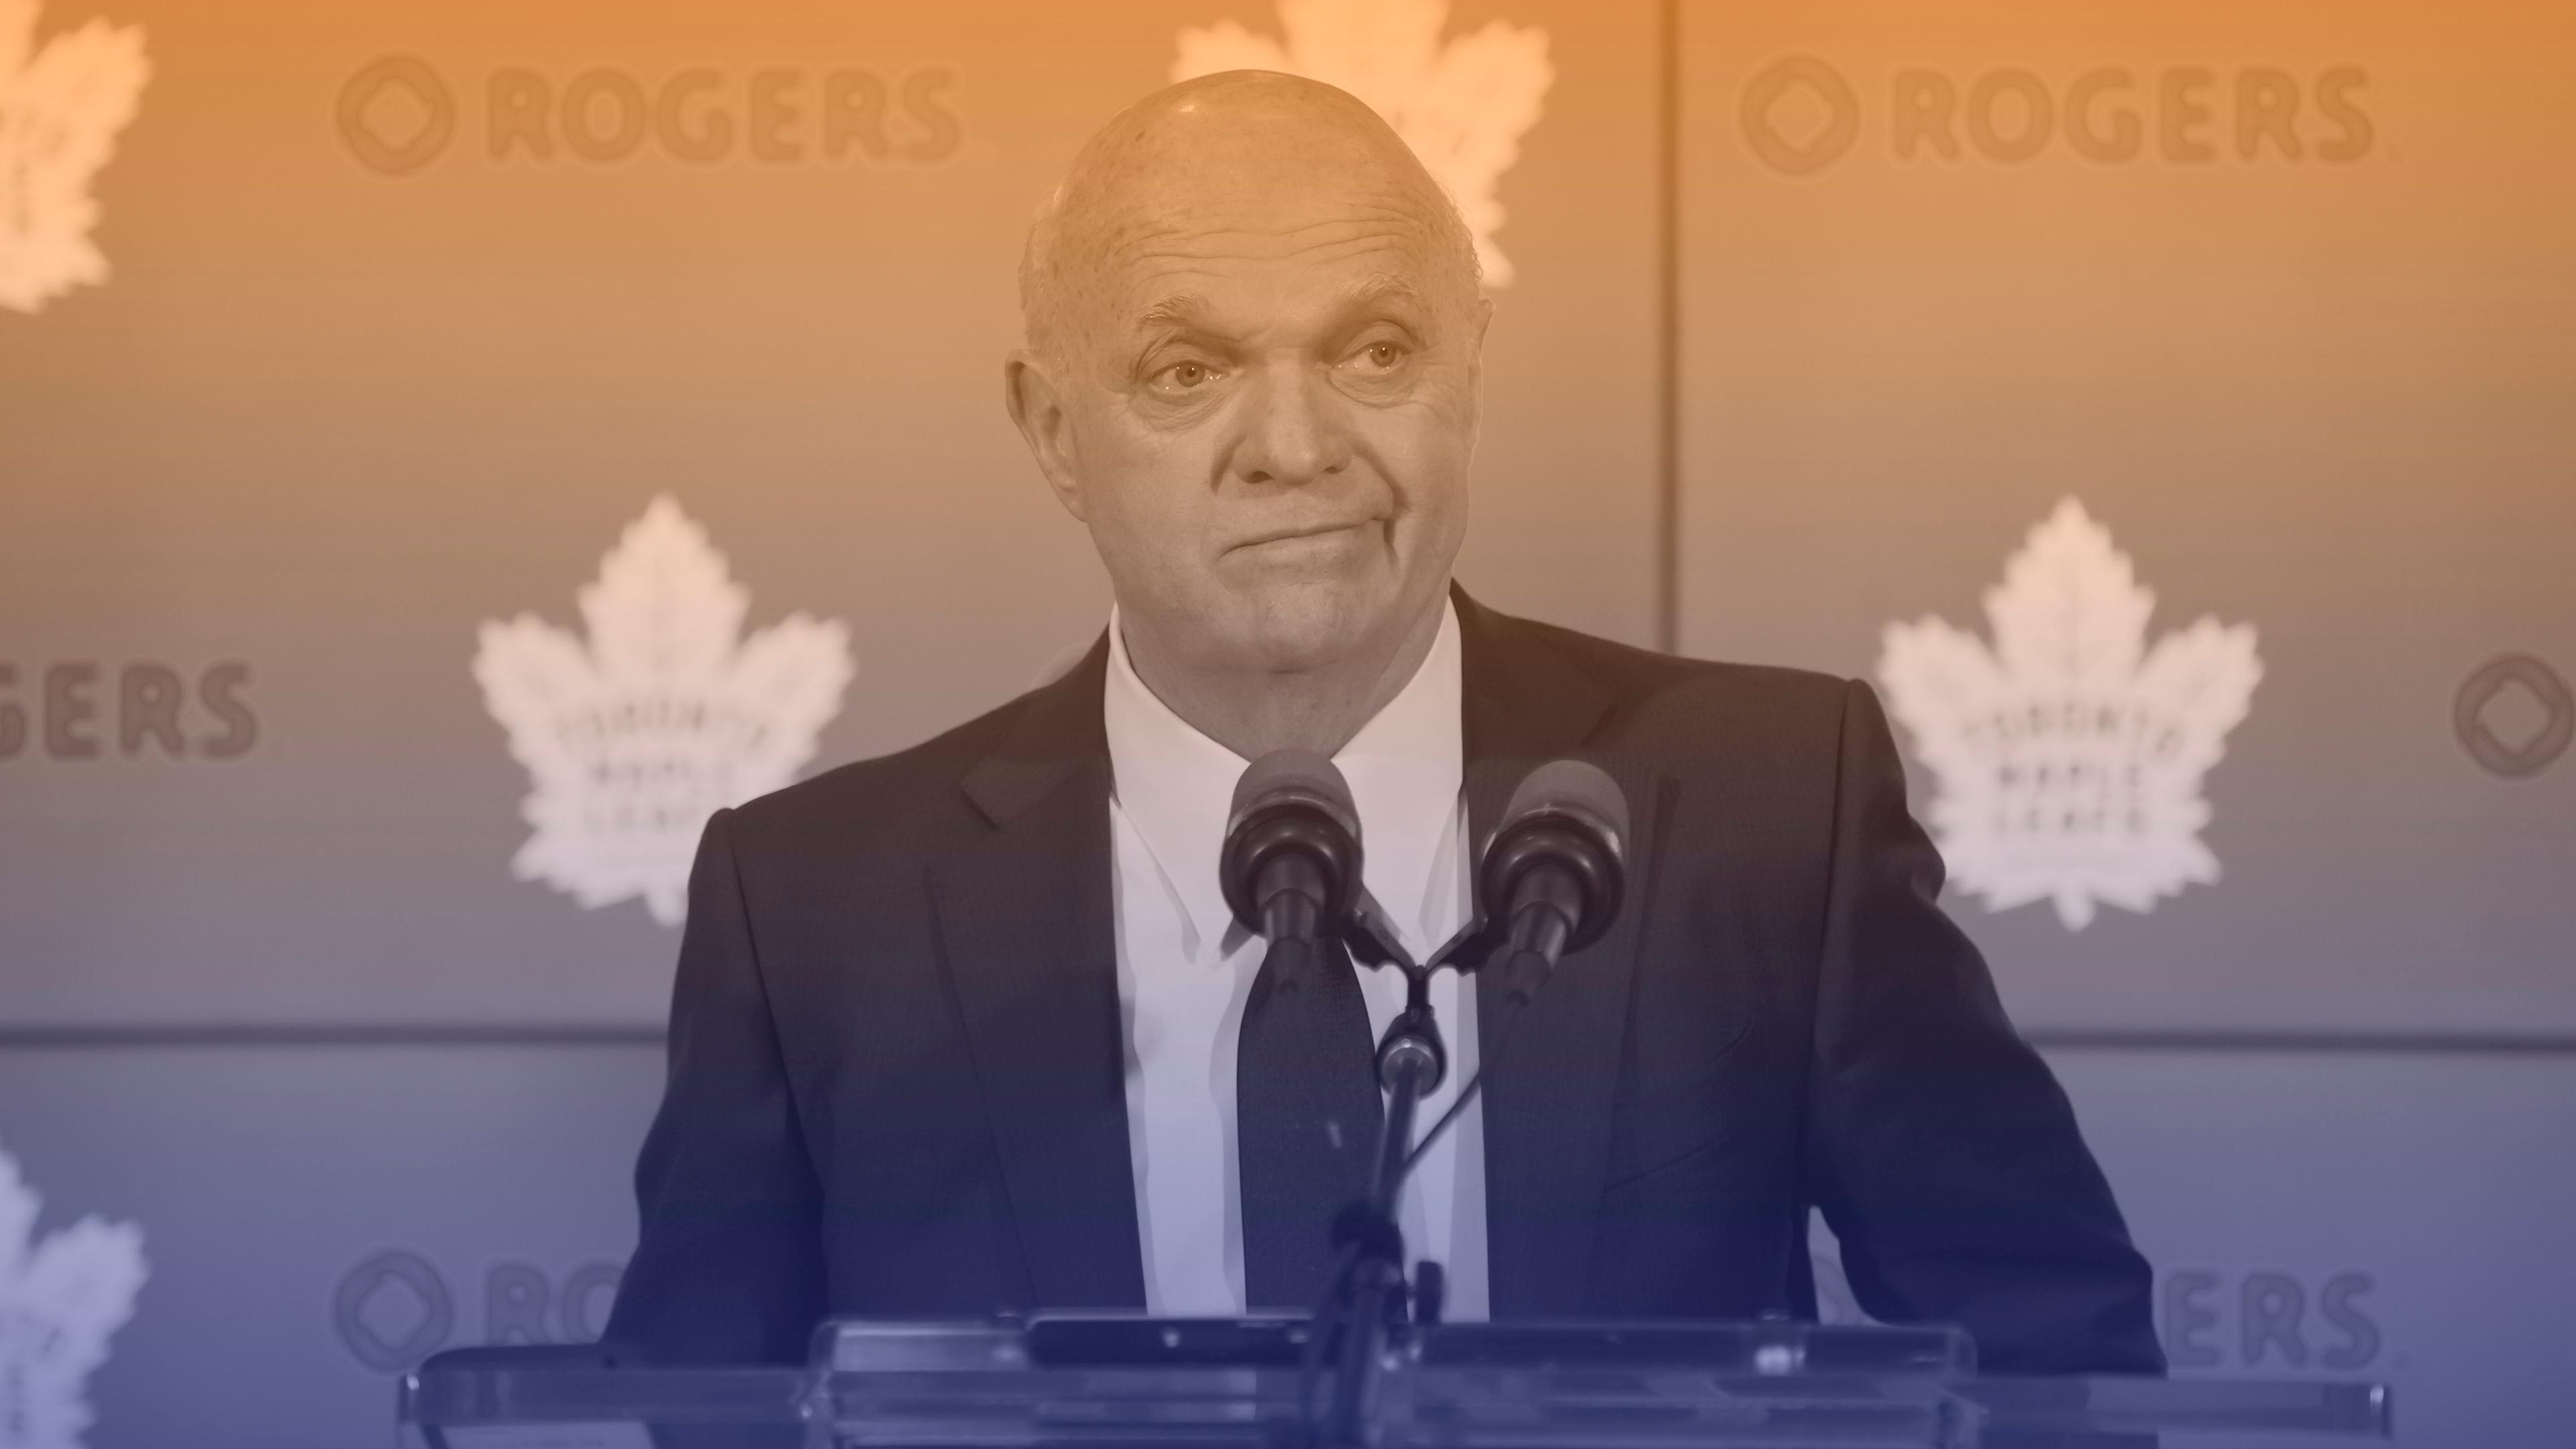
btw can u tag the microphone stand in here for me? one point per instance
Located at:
(1371, 1292)
(1410, 1063)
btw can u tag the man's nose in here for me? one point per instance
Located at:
(1298, 429)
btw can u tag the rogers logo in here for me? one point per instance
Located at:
(1800, 115)
(1766, 101)
(398, 113)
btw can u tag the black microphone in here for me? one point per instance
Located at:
(1291, 862)
(1555, 870)
(1552, 876)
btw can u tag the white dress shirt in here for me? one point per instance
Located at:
(1185, 967)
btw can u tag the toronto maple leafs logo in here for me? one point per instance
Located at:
(1463, 107)
(2069, 755)
(60, 1298)
(666, 715)
(60, 110)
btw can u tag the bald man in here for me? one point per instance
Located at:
(970, 1028)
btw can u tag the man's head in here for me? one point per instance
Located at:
(1252, 370)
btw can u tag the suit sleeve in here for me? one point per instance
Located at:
(1942, 1151)
(728, 1267)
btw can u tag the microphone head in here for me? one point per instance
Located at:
(1577, 788)
(1291, 805)
(1565, 832)
(1293, 777)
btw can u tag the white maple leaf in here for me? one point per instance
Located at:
(664, 716)
(2069, 756)
(60, 111)
(1463, 107)
(60, 1299)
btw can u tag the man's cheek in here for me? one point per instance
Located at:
(1426, 469)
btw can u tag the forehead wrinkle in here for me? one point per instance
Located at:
(1161, 238)
(1166, 271)
(1193, 312)
(1138, 265)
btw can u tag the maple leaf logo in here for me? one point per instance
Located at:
(60, 110)
(1463, 107)
(59, 1300)
(664, 717)
(2069, 756)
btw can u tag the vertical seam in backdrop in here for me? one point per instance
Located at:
(1668, 491)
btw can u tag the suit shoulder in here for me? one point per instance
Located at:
(1655, 687)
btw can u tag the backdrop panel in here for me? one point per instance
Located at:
(2353, 1216)
(313, 1221)
(2167, 408)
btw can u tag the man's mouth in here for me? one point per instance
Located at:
(1310, 531)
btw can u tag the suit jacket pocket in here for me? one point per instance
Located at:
(1686, 1115)
(1680, 1164)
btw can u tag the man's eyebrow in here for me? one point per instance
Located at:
(1179, 312)
(1386, 287)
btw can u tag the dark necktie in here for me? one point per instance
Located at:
(1307, 1113)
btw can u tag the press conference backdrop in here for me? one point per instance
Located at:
(447, 449)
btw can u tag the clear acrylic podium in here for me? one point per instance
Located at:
(1103, 1380)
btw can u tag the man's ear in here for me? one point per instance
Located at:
(1035, 400)
(1479, 318)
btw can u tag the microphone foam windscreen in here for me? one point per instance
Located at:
(1299, 775)
(1577, 788)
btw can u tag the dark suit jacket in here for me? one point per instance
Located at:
(895, 1047)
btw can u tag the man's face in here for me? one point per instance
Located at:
(1271, 417)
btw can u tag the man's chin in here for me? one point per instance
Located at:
(1300, 628)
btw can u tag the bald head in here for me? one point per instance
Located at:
(1260, 158)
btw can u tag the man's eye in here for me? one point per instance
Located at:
(1380, 356)
(1186, 376)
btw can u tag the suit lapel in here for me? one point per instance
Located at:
(1025, 918)
(1547, 1112)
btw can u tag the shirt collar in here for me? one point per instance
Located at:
(1175, 785)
